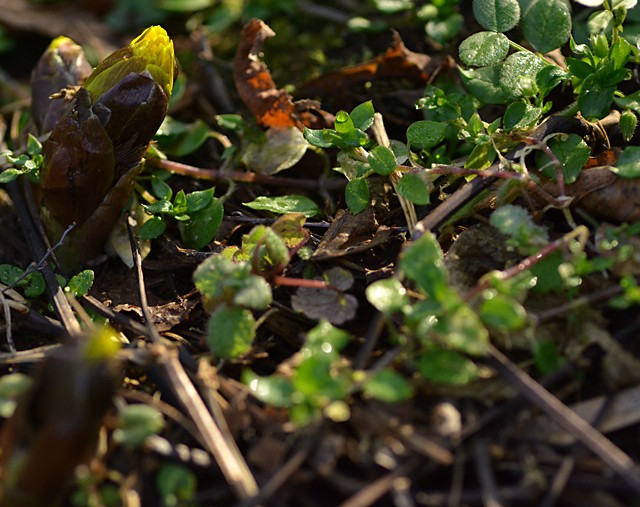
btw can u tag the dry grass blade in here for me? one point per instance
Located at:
(382, 139)
(39, 254)
(612, 455)
(220, 444)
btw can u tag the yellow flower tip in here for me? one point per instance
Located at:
(102, 343)
(152, 50)
(59, 41)
(156, 48)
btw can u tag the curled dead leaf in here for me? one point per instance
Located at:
(271, 107)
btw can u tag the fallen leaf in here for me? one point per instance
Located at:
(282, 149)
(396, 63)
(330, 303)
(271, 107)
(349, 234)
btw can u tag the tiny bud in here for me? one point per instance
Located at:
(600, 45)
(628, 122)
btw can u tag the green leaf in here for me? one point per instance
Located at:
(160, 189)
(547, 275)
(484, 48)
(481, 157)
(387, 295)
(362, 115)
(600, 22)
(447, 367)
(199, 199)
(422, 262)
(518, 74)
(546, 24)
(326, 338)
(497, 15)
(161, 206)
(463, 330)
(317, 138)
(221, 280)
(230, 332)
(516, 222)
(179, 206)
(176, 484)
(595, 99)
(572, 152)
(549, 77)
(34, 147)
(520, 115)
(316, 377)
(274, 390)
(9, 275)
(344, 123)
(80, 284)
(484, 83)
(425, 134)
(547, 357)
(137, 423)
(356, 194)
(202, 226)
(443, 29)
(628, 164)
(181, 139)
(502, 312)
(413, 188)
(387, 385)
(152, 228)
(382, 160)
(9, 175)
(285, 204)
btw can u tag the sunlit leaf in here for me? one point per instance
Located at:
(447, 367)
(230, 332)
(285, 204)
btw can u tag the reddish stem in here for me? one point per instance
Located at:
(244, 177)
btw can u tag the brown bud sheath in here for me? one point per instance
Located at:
(63, 65)
(95, 149)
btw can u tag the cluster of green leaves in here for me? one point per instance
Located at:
(322, 380)
(136, 423)
(199, 213)
(448, 332)
(235, 283)
(28, 163)
(360, 158)
(32, 283)
(497, 77)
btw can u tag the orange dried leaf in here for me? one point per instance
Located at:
(271, 107)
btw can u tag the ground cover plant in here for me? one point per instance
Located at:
(292, 253)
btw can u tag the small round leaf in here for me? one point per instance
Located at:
(497, 15)
(547, 24)
(356, 194)
(230, 332)
(382, 160)
(412, 187)
(483, 49)
(628, 165)
(425, 134)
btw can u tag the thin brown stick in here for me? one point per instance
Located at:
(221, 446)
(245, 176)
(612, 455)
